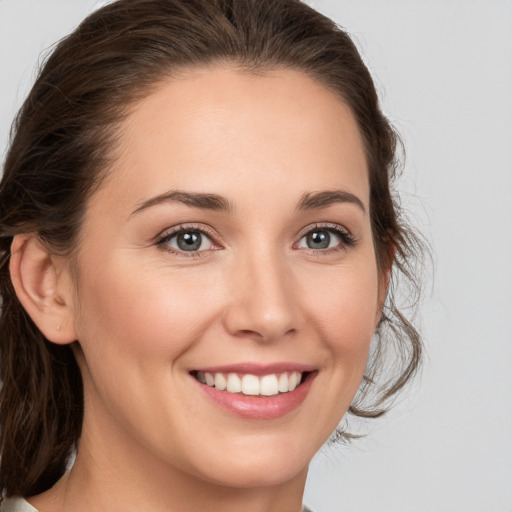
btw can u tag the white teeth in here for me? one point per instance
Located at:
(220, 381)
(293, 381)
(283, 383)
(210, 380)
(269, 385)
(251, 385)
(234, 383)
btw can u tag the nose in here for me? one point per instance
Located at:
(262, 303)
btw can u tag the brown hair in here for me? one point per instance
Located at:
(61, 146)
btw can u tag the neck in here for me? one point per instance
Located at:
(108, 477)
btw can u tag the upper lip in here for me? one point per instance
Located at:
(257, 369)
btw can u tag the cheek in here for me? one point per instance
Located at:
(347, 304)
(135, 325)
(151, 315)
(345, 310)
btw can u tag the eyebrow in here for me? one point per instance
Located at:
(194, 199)
(312, 201)
(214, 202)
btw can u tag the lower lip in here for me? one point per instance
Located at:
(259, 407)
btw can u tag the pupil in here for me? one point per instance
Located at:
(319, 240)
(189, 241)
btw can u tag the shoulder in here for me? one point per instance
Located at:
(16, 504)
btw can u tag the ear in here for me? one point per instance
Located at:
(384, 279)
(43, 285)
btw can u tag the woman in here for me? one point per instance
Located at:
(197, 236)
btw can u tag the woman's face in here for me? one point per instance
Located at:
(230, 243)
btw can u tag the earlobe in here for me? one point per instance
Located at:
(43, 286)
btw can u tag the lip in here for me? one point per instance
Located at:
(258, 407)
(257, 369)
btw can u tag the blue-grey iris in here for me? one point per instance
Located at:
(189, 240)
(318, 239)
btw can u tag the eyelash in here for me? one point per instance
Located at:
(169, 235)
(347, 239)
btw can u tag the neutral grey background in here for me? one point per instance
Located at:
(444, 72)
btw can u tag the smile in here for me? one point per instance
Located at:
(252, 385)
(256, 392)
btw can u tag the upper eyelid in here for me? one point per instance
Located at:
(172, 231)
(214, 236)
(326, 226)
(346, 237)
(168, 234)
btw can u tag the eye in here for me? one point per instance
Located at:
(326, 237)
(186, 240)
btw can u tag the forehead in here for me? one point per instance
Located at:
(221, 130)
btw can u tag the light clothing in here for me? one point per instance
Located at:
(16, 505)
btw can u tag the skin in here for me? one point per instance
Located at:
(146, 314)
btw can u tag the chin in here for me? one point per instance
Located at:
(259, 465)
(247, 475)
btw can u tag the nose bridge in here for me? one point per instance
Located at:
(263, 302)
